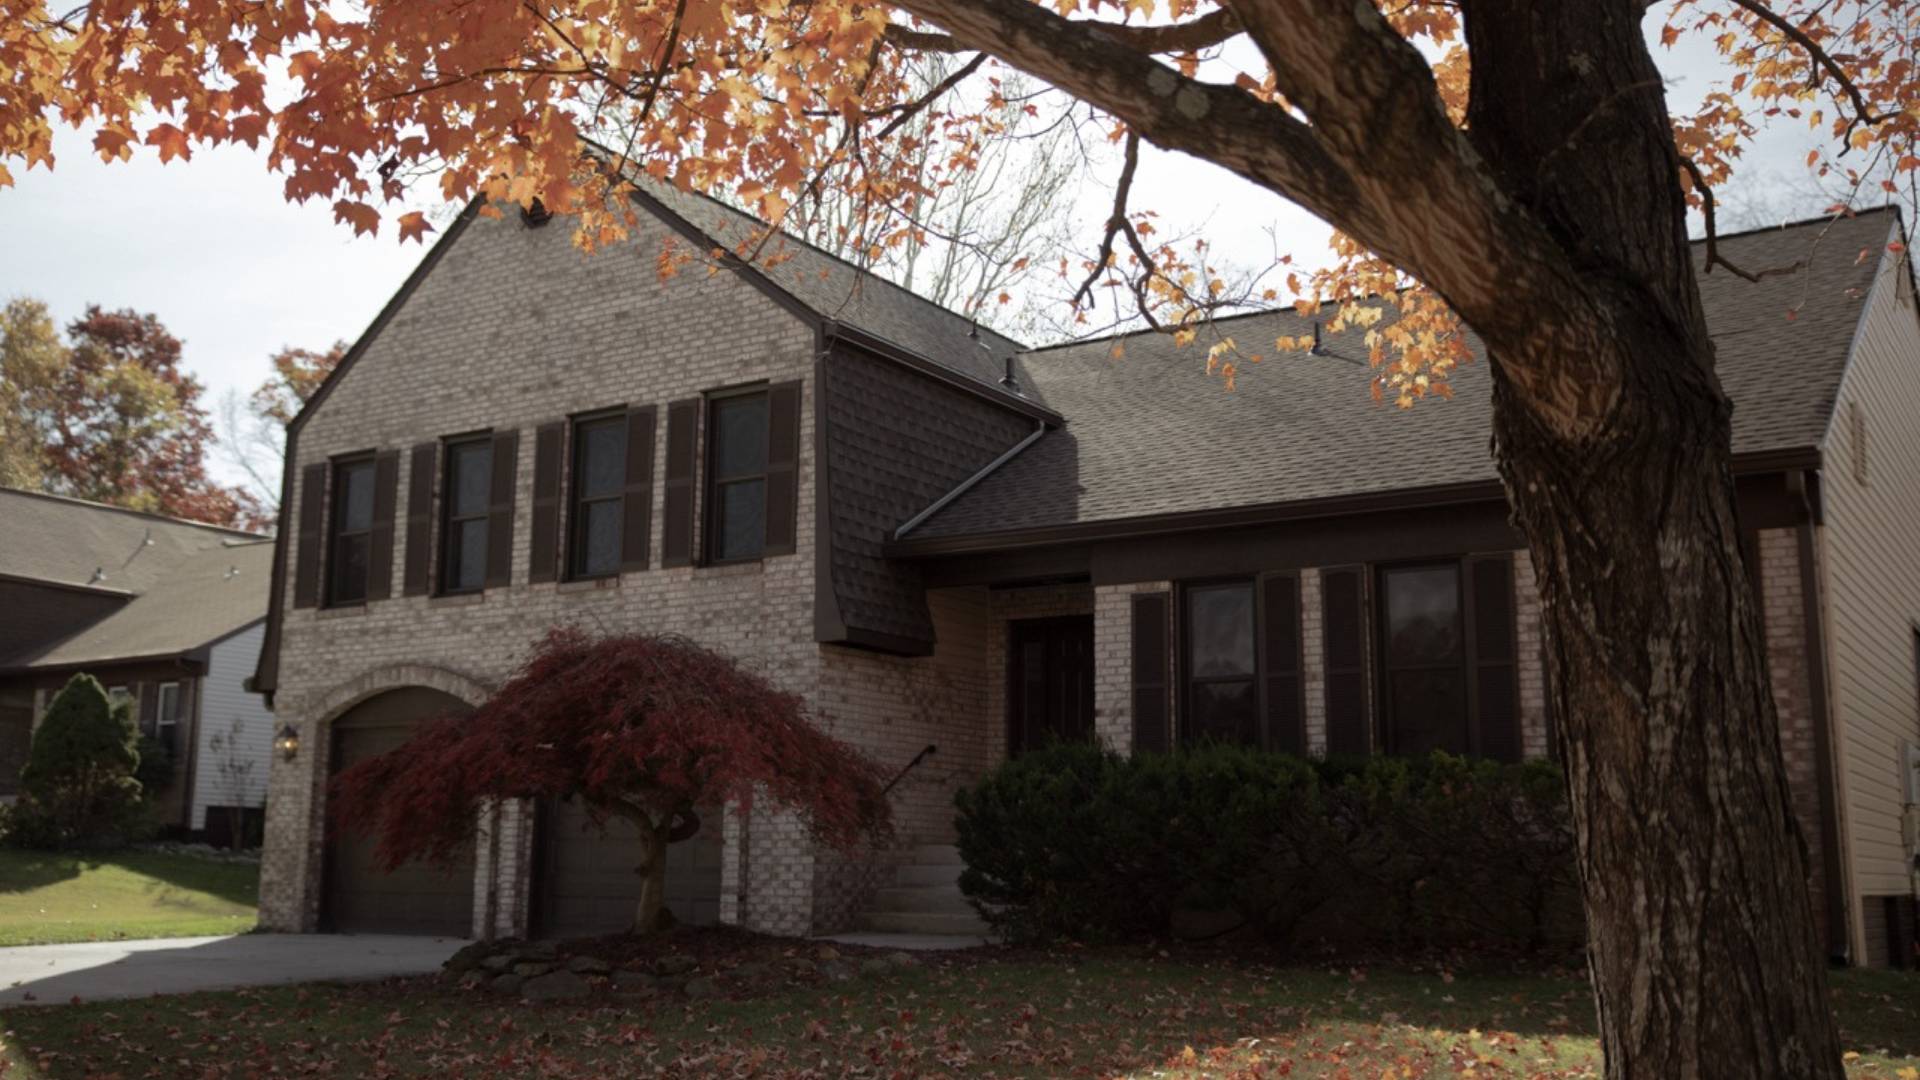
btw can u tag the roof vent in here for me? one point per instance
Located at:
(1318, 349)
(1007, 378)
(99, 575)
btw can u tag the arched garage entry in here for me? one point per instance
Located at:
(415, 898)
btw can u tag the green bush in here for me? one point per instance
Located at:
(156, 765)
(1077, 843)
(78, 787)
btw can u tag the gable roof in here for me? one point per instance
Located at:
(1149, 434)
(74, 542)
(209, 595)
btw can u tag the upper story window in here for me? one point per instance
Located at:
(599, 480)
(1424, 668)
(463, 556)
(352, 532)
(1222, 688)
(737, 477)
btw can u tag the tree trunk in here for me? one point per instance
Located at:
(1703, 951)
(650, 913)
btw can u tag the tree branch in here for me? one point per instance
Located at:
(1714, 258)
(1213, 28)
(1864, 113)
(919, 105)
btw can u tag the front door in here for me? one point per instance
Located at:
(1049, 682)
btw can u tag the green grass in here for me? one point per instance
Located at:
(48, 898)
(1026, 1014)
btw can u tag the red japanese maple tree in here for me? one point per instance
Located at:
(639, 727)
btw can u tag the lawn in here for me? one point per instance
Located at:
(1123, 1013)
(48, 898)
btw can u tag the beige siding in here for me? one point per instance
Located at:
(1872, 581)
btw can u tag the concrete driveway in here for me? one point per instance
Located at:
(96, 971)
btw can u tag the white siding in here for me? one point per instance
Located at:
(235, 776)
(1872, 584)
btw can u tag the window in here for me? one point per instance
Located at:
(737, 478)
(352, 532)
(167, 713)
(1223, 699)
(463, 525)
(1424, 660)
(599, 475)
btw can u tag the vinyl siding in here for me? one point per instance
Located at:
(1872, 581)
(224, 699)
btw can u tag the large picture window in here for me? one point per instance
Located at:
(737, 478)
(463, 555)
(1424, 660)
(352, 532)
(1222, 689)
(599, 480)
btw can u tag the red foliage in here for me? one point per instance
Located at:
(655, 721)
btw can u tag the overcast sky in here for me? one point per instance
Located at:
(213, 249)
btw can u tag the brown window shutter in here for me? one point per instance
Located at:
(506, 469)
(1152, 724)
(1343, 617)
(148, 696)
(683, 442)
(636, 531)
(783, 468)
(1493, 638)
(386, 492)
(417, 572)
(306, 566)
(543, 547)
(1280, 662)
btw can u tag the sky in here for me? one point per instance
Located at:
(213, 249)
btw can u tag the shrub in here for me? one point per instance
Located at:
(1074, 842)
(156, 765)
(78, 787)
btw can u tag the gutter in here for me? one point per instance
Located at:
(1039, 429)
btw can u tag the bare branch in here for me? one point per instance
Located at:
(1864, 113)
(1213, 28)
(959, 76)
(1714, 258)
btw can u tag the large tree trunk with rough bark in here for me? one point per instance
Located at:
(657, 834)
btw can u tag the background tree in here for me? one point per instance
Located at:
(645, 729)
(108, 415)
(78, 786)
(253, 430)
(1514, 163)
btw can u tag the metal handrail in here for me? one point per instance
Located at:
(917, 759)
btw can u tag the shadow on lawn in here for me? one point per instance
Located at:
(235, 883)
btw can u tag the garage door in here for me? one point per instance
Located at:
(586, 880)
(416, 898)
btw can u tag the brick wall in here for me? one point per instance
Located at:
(514, 328)
(1783, 609)
(1113, 661)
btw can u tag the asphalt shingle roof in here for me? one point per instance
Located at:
(204, 598)
(1149, 433)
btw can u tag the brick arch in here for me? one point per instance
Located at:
(371, 684)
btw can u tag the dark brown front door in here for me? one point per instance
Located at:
(1049, 682)
(416, 898)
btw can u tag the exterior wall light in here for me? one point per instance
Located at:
(288, 742)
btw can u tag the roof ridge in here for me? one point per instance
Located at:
(1281, 309)
(93, 505)
(861, 271)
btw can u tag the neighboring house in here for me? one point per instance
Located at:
(940, 537)
(167, 613)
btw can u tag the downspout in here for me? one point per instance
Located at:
(1803, 486)
(1039, 429)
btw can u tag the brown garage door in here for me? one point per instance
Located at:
(586, 884)
(416, 898)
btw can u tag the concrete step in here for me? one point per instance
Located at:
(927, 875)
(934, 855)
(895, 922)
(944, 899)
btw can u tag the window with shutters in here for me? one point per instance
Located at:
(736, 494)
(464, 507)
(1423, 659)
(350, 545)
(167, 715)
(597, 490)
(1222, 685)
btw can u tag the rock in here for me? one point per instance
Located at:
(676, 964)
(539, 950)
(588, 965)
(903, 959)
(531, 969)
(469, 957)
(475, 979)
(826, 952)
(802, 966)
(836, 971)
(1189, 924)
(634, 982)
(875, 966)
(703, 987)
(497, 962)
(555, 986)
(506, 984)
(750, 970)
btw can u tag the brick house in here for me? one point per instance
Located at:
(168, 615)
(943, 538)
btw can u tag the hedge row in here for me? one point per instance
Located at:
(1077, 843)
